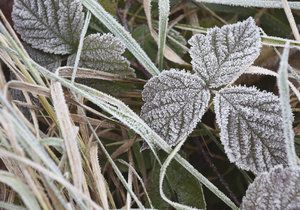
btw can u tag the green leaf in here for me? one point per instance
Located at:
(143, 36)
(187, 189)
(274, 24)
(49, 25)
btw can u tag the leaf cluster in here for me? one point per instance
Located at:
(52, 28)
(250, 120)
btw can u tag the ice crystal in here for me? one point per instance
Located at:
(53, 26)
(225, 53)
(49, 61)
(174, 103)
(278, 189)
(104, 52)
(251, 128)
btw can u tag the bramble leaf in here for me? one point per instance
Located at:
(53, 26)
(104, 52)
(174, 103)
(225, 53)
(49, 61)
(251, 128)
(277, 189)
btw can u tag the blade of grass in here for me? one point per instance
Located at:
(21, 188)
(118, 30)
(46, 172)
(168, 52)
(164, 11)
(99, 178)
(10, 206)
(116, 169)
(284, 97)
(266, 40)
(69, 133)
(82, 35)
(291, 19)
(252, 3)
(162, 174)
(139, 178)
(263, 71)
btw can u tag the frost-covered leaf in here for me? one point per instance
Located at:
(53, 26)
(49, 61)
(224, 53)
(279, 189)
(251, 128)
(104, 52)
(174, 103)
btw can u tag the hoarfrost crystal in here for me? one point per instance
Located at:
(225, 53)
(174, 103)
(104, 52)
(279, 189)
(49, 25)
(251, 128)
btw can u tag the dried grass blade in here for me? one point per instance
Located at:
(98, 177)
(69, 133)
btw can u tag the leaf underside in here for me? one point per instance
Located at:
(225, 53)
(104, 52)
(51, 26)
(251, 128)
(278, 189)
(49, 61)
(174, 103)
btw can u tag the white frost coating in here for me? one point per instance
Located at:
(49, 61)
(164, 12)
(50, 25)
(174, 103)
(118, 30)
(225, 53)
(104, 52)
(253, 3)
(251, 128)
(284, 98)
(279, 189)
